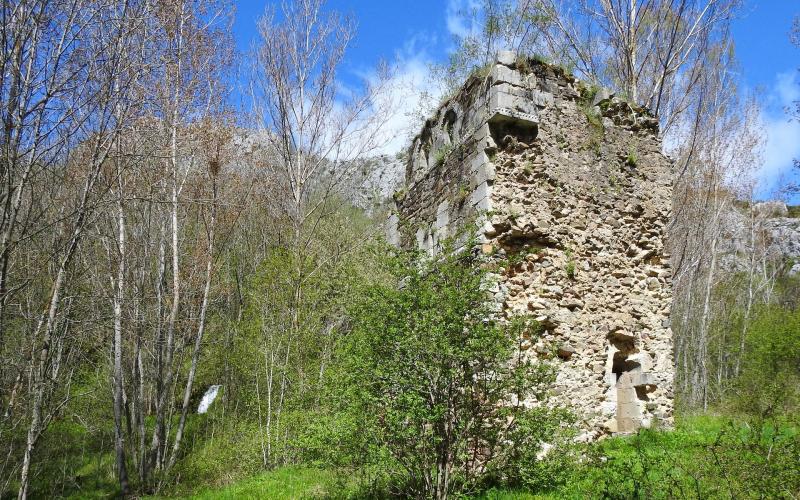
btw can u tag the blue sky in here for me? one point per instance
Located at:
(415, 33)
(770, 63)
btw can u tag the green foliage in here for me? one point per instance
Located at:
(705, 457)
(79, 462)
(517, 257)
(726, 460)
(768, 386)
(593, 117)
(595, 144)
(523, 64)
(289, 482)
(596, 130)
(541, 59)
(527, 167)
(525, 467)
(480, 72)
(632, 159)
(462, 194)
(562, 142)
(570, 266)
(442, 154)
(221, 451)
(271, 358)
(587, 92)
(76, 449)
(614, 182)
(431, 375)
(400, 194)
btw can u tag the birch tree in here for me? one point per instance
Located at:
(650, 50)
(314, 130)
(194, 50)
(716, 161)
(794, 109)
(77, 61)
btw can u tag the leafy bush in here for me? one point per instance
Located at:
(532, 467)
(768, 384)
(632, 159)
(436, 381)
(704, 458)
(442, 154)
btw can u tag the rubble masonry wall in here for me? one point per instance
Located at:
(569, 184)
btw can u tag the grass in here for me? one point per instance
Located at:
(705, 456)
(658, 455)
(570, 269)
(442, 154)
(289, 482)
(498, 494)
(632, 159)
(463, 194)
(306, 483)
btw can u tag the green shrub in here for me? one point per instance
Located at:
(221, 453)
(428, 373)
(632, 159)
(527, 167)
(400, 194)
(570, 269)
(593, 117)
(588, 92)
(769, 384)
(703, 458)
(480, 72)
(529, 468)
(442, 154)
(570, 266)
(462, 194)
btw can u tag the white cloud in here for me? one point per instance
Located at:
(787, 88)
(458, 21)
(409, 96)
(782, 134)
(413, 93)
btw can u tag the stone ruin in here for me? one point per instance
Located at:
(569, 184)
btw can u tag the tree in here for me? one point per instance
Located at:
(487, 27)
(675, 57)
(652, 51)
(717, 153)
(313, 133)
(794, 110)
(767, 386)
(436, 380)
(194, 53)
(794, 37)
(65, 103)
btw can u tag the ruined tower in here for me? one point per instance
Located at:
(569, 184)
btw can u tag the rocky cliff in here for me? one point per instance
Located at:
(769, 228)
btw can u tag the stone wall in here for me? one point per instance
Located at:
(569, 185)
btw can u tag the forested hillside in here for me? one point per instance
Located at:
(183, 221)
